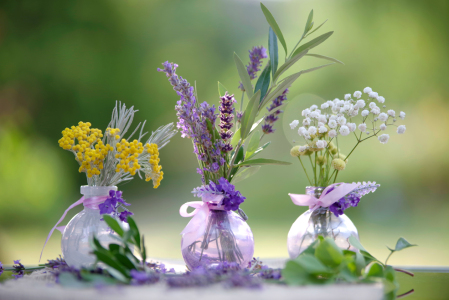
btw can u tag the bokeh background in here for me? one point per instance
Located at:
(66, 61)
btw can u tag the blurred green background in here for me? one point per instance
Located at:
(66, 61)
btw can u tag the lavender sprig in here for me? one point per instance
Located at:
(232, 198)
(113, 203)
(353, 198)
(1, 268)
(255, 62)
(226, 117)
(18, 271)
(270, 119)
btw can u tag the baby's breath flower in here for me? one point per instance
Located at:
(367, 90)
(383, 138)
(324, 105)
(343, 157)
(382, 126)
(360, 103)
(351, 126)
(305, 112)
(294, 124)
(347, 96)
(381, 99)
(312, 130)
(401, 129)
(358, 94)
(338, 164)
(362, 127)
(302, 131)
(344, 130)
(332, 124)
(322, 129)
(372, 105)
(306, 122)
(332, 133)
(373, 95)
(402, 115)
(383, 117)
(321, 144)
(341, 120)
(391, 113)
(375, 110)
(313, 107)
(365, 113)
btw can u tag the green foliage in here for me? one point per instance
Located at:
(324, 262)
(221, 89)
(244, 76)
(262, 161)
(274, 25)
(273, 50)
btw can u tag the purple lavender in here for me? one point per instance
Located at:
(18, 271)
(270, 119)
(142, 277)
(226, 117)
(111, 204)
(255, 62)
(56, 263)
(1, 268)
(232, 198)
(353, 198)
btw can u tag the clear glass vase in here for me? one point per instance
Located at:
(82, 227)
(223, 237)
(321, 221)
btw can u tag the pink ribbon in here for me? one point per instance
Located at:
(91, 203)
(195, 227)
(326, 199)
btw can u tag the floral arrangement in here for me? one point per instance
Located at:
(109, 159)
(324, 129)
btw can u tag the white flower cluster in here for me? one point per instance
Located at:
(336, 117)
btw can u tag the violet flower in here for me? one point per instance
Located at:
(353, 198)
(18, 271)
(1, 268)
(270, 119)
(142, 277)
(56, 263)
(226, 117)
(255, 62)
(232, 198)
(111, 204)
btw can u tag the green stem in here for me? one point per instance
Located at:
(388, 257)
(335, 179)
(314, 175)
(299, 157)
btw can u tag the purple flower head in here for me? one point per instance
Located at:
(270, 119)
(18, 271)
(124, 215)
(353, 198)
(142, 277)
(267, 128)
(238, 116)
(255, 62)
(111, 205)
(1, 268)
(226, 117)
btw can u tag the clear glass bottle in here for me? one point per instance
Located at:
(321, 221)
(81, 228)
(224, 237)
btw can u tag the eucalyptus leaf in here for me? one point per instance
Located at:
(255, 124)
(245, 173)
(113, 223)
(288, 63)
(313, 43)
(221, 89)
(263, 82)
(253, 144)
(319, 26)
(273, 50)
(260, 149)
(249, 115)
(308, 23)
(274, 26)
(244, 76)
(262, 161)
(325, 57)
(286, 83)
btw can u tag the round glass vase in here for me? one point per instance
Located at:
(321, 221)
(83, 226)
(223, 238)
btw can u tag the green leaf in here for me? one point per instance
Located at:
(326, 58)
(313, 43)
(288, 63)
(316, 28)
(287, 82)
(255, 125)
(135, 229)
(253, 144)
(402, 244)
(125, 261)
(356, 243)
(212, 130)
(244, 76)
(244, 173)
(249, 115)
(273, 50)
(240, 157)
(117, 274)
(113, 223)
(374, 269)
(114, 248)
(144, 251)
(312, 264)
(262, 161)
(97, 279)
(235, 138)
(109, 260)
(294, 273)
(260, 149)
(308, 23)
(329, 253)
(221, 89)
(311, 248)
(274, 25)
(263, 82)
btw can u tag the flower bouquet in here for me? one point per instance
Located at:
(216, 234)
(108, 160)
(324, 131)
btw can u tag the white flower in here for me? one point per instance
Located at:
(322, 118)
(383, 138)
(305, 112)
(321, 144)
(383, 126)
(313, 107)
(347, 96)
(341, 120)
(344, 130)
(391, 113)
(303, 148)
(351, 126)
(324, 105)
(367, 90)
(381, 99)
(332, 133)
(302, 131)
(362, 127)
(332, 124)
(372, 105)
(306, 122)
(322, 129)
(373, 95)
(401, 129)
(360, 103)
(402, 115)
(314, 114)
(358, 94)
(294, 124)
(375, 110)
(312, 130)
(365, 113)
(383, 117)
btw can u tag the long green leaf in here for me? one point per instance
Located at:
(274, 25)
(135, 229)
(262, 161)
(290, 62)
(108, 260)
(221, 89)
(316, 28)
(235, 138)
(258, 150)
(253, 144)
(402, 244)
(325, 57)
(143, 249)
(284, 84)
(244, 76)
(273, 50)
(313, 43)
(264, 81)
(308, 23)
(245, 173)
(249, 115)
(113, 223)
(255, 124)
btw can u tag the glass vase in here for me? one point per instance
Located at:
(223, 237)
(321, 221)
(82, 227)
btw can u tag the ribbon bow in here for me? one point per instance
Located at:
(326, 199)
(91, 203)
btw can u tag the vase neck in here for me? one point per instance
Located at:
(315, 191)
(96, 191)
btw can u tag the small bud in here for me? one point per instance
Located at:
(338, 164)
(321, 160)
(394, 120)
(384, 106)
(295, 151)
